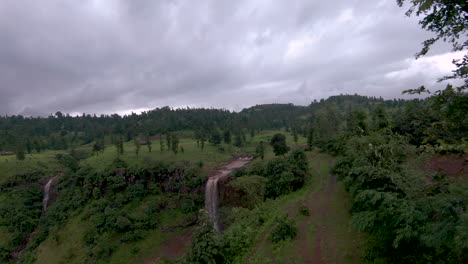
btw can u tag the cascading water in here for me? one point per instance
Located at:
(212, 201)
(45, 200)
(212, 193)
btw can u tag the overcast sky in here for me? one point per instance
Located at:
(105, 56)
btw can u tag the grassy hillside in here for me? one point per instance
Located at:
(173, 220)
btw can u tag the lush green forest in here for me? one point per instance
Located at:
(123, 186)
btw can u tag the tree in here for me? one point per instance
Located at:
(136, 141)
(227, 137)
(357, 122)
(148, 142)
(20, 151)
(161, 144)
(295, 136)
(119, 145)
(215, 138)
(448, 20)
(310, 138)
(28, 146)
(96, 148)
(175, 143)
(278, 142)
(237, 140)
(380, 118)
(168, 140)
(260, 150)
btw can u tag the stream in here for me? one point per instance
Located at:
(213, 188)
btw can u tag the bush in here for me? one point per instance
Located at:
(285, 229)
(132, 236)
(304, 210)
(251, 188)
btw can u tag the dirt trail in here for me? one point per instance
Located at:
(332, 240)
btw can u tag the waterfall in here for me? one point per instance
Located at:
(45, 200)
(212, 201)
(212, 189)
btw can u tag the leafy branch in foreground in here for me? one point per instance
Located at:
(448, 19)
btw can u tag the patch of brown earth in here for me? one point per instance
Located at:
(452, 165)
(174, 248)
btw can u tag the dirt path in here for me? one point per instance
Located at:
(325, 236)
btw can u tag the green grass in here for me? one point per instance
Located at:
(44, 161)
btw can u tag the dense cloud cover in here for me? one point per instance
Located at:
(103, 56)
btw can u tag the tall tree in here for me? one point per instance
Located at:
(260, 150)
(148, 142)
(20, 155)
(161, 143)
(136, 141)
(310, 138)
(28, 146)
(278, 142)
(227, 136)
(175, 143)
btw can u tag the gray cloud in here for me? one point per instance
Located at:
(114, 56)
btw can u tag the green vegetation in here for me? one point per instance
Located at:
(121, 201)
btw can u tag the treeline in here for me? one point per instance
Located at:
(60, 131)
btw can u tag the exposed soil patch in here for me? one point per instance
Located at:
(174, 248)
(452, 165)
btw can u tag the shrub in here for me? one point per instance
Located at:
(132, 236)
(304, 210)
(252, 189)
(285, 229)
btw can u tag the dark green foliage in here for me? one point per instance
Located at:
(260, 150)
(356, 122)
(174, 143)
(407, 219)
(304, 210)
(448, 20)
(310, 138)
(119, 145)
(278, 142)
(68, 161)
(250, 190)
(136, 142)
(285, 229)
(285, 175)
(20, 155)
(132, 236)
(215, 138)
(20, 215)
(227, 137)
(205, 245)
(148, 142)
(237, 140)
(380, 119)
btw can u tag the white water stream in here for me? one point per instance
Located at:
(45, 200)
